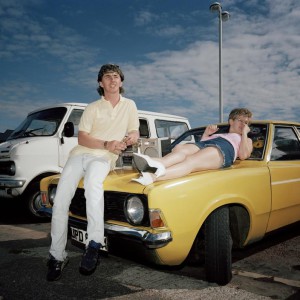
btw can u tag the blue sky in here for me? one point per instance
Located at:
(51, 51)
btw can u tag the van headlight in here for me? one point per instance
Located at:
(12, 169)
(8, 168)
(52, 193)
(134, 210)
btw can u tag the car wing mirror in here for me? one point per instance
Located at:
(68, 129)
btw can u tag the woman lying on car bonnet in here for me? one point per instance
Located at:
(214, 151)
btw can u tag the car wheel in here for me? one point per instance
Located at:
(33, 201)
(218, 247)
(197, 252)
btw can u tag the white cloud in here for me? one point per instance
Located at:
(261, 64)
(145, 17)
(260, 69)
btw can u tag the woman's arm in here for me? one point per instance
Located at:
(209, 130)
(246, 146)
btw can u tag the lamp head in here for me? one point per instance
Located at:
(225, 16)
(215, 7)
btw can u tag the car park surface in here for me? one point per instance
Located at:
(269, 269)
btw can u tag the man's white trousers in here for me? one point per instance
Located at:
(94, 170)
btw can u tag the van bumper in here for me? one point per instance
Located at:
(9, 188)
(11, 183)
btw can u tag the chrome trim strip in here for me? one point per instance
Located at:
(150, 240)
(10, 183)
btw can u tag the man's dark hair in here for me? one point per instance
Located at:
(108, 68)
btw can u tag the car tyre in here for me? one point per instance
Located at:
(33, 202)
(218, 247)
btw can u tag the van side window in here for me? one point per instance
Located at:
(144, 129)
(286, 145)
(171, 129)
(75, 119)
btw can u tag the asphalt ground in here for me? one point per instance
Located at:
(266, 270)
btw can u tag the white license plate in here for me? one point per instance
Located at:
(81, 236)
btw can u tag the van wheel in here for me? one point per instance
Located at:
(32, 200)
(218, 247)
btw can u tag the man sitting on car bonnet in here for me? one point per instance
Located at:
(106, 128)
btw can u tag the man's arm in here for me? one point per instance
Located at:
(84, 139)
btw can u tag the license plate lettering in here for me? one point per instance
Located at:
(81, 236)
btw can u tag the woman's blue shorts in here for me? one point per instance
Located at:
(223, 145)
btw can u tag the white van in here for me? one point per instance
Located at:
(40, 146)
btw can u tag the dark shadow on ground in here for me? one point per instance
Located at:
(196, 270)
(274, 238)
(12, 211)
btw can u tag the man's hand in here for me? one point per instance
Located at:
(116, 147)
(131, 138)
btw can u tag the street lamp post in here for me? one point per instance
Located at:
(223, 16)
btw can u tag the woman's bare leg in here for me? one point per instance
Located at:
(178, 154)
(208, 158)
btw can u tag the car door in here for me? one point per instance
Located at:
(70, 142)
(284, 168)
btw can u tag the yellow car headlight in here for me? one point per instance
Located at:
(134, 210)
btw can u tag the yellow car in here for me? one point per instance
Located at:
(202, 215)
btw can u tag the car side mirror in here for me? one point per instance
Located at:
(68, 129)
